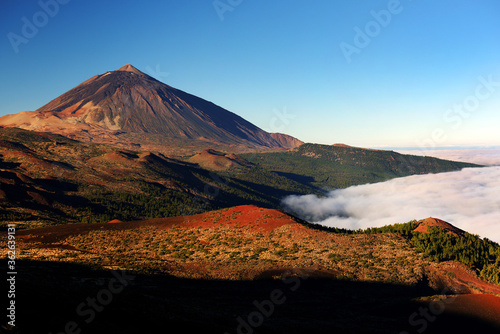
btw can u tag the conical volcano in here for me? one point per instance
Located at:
(129, 107)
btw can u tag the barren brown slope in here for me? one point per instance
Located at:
(286, 140)
(129, 107)
(214, 160)
(262, 219)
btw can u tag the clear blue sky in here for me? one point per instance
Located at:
(266, 57)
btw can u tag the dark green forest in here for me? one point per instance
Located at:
(340, 167)
(482, 255)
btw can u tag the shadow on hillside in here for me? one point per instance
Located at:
(307, 180)
(47, 196)
(54, 297)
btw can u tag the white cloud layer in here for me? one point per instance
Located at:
(486, 156)
(468, 199)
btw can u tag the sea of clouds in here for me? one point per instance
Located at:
(468, 199)
(483, 156)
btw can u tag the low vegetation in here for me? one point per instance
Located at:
(229, 252)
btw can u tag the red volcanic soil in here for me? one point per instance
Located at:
(483, 307)
(243, 215)
(54, 234)
(253, 216)
(423, 225)
(215, 160)
(464, 281)
(464, 274)
(117, 157)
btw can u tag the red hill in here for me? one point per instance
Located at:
(424, 224)
(244, 215)
(214, 160)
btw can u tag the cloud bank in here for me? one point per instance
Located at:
(486, 156)
(468, 199)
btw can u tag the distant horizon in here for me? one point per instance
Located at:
(439, 148)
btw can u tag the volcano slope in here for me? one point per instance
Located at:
(215, 271)
(130, 109)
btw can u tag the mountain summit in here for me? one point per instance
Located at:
(130, 68)
(130, 108)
